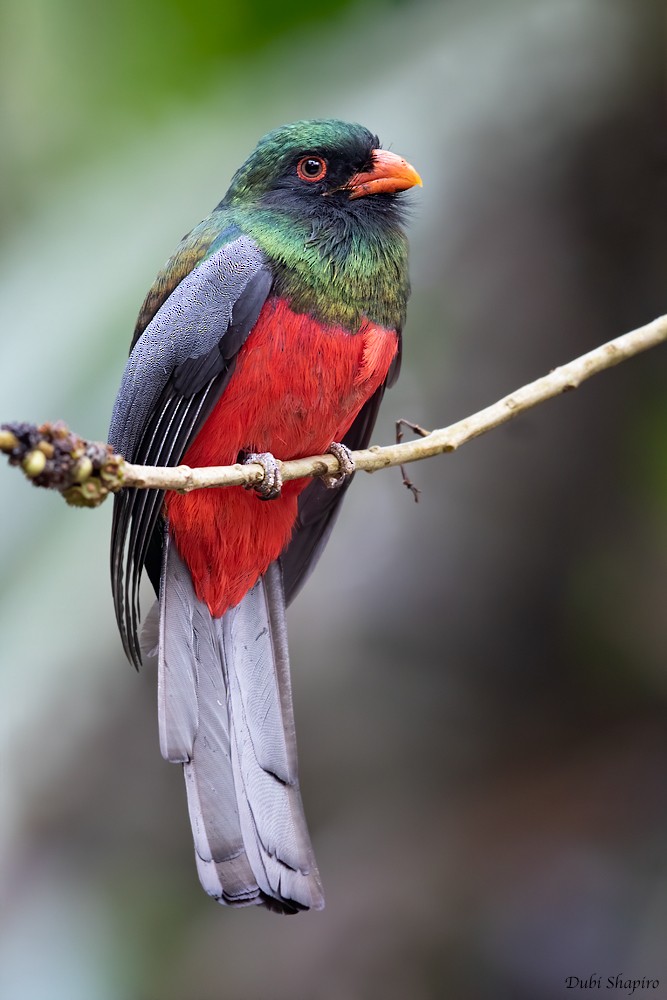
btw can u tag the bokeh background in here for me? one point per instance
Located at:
(480, 679)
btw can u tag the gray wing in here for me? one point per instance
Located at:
(174, 376)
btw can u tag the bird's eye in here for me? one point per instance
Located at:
(311, 168)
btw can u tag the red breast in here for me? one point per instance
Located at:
(298, 385)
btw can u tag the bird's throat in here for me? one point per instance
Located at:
(335, 269)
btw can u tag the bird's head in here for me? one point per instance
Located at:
(313, 165)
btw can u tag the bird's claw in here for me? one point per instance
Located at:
(346, 463)
(270, 486)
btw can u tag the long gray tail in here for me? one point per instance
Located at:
(225, 713)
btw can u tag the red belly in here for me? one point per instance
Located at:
(297, 386)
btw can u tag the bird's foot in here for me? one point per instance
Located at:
(270, 486)
(346, 463)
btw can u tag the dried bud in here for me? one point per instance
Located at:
(83, 470)
(8, 441)
(34, 463)
(89, 494)
(112, 472)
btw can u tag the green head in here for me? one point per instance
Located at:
(321, 198)
(300, 165)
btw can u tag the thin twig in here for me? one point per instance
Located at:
(416, 429)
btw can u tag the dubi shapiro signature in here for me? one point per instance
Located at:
(619, 982)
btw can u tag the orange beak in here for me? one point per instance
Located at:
(389, 173)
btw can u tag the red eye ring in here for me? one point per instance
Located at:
(311, 168)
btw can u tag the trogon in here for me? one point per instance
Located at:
(271, 333)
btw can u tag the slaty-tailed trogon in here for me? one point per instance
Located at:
(274, 328)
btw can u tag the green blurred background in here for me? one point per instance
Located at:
(480, 680)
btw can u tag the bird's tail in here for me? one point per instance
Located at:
(225, 713)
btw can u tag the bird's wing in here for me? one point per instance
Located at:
(209, 235)
(319, 507)
(177, 370)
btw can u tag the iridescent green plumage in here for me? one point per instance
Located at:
(339, 272)
(333, 258)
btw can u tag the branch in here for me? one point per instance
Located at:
(450, 438)
(105, 472)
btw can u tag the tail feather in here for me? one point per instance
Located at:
(182, 629)
(222, 864)
(264, 746)
(225, 712)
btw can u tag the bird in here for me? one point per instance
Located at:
(272, 333)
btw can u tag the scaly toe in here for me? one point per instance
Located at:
(270, 486)
(346, 463)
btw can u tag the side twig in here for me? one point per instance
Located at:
(416, 429)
